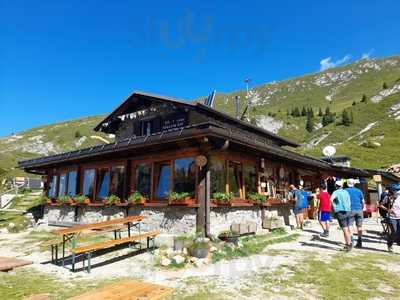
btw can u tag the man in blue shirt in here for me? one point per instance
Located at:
(341, 203)
(357, 205)
(295, 194)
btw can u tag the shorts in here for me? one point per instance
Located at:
(344, 218)
(357, 216)
(324, 216)
(297, 210)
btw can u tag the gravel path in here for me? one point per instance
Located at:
(227, 272)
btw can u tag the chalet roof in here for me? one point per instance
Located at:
(387, 175)
(208, 129)
(124, 106)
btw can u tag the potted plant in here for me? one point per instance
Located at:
(112, 199)
(229, 236)
(179, 198)
(136, 198)
(81, 199)
(66, 199)
(45, 200)
(223, 198)
(257, 198)
(180, 242)
(200, 249)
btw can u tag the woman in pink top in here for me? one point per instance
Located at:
(394, 221)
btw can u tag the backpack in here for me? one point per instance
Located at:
(386, 202)
(299, 199)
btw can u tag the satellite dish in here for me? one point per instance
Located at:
(329, 151)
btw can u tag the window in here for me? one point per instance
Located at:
(162, 173)
(147, 127)
(250, 178)
(143, 179)
(62, 186)
(52, 192)
(103, 183)
(88, 182)
(72, 177)
(235, 178)
(117, 181)
(185, 175)
(218, 175)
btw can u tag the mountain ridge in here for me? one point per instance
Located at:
(370, 139)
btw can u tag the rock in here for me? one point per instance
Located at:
(178, 259)
(199, 263)
(165, 261)
(170, 252)
(11, 225)
(213, 249)
(193, 260)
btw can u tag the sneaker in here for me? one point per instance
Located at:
(324, 234)
(349, 248)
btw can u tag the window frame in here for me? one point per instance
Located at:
(109, 165)
(158, 159)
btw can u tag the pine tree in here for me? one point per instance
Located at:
(309, 123)
(319, 112)
(303, 112)
(327, 111)
(351, 117)
(364, 98)
(78, 134)
(354, 103)
(345, 118)
(296, 112)
(311, 112)
(384, 86)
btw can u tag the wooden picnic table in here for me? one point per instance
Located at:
(127, 289)
(70, 234)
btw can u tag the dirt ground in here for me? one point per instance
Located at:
(307, 268)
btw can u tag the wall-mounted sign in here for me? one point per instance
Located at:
(201, 161)
(377, 178)
(173, 121)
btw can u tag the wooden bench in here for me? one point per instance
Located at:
(127, 289)
(88, 249)
(54, 248)
(54, 244)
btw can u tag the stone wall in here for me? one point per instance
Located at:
(221, 218)
(170, 219)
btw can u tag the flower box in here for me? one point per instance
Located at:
(182, 202)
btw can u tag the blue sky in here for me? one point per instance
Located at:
(66, 59)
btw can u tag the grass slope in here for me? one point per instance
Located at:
(336, 88)
(344, 86)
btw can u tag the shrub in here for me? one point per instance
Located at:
(135, 197)
(80, 198)
(78, 134)
(112, 199)
(257, 198)
(64, 199)
(177, 196)
(223, 197)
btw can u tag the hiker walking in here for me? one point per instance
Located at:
(324, 209)
(298, 208)
(357, 205)
(394, 216)
(341, 203)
